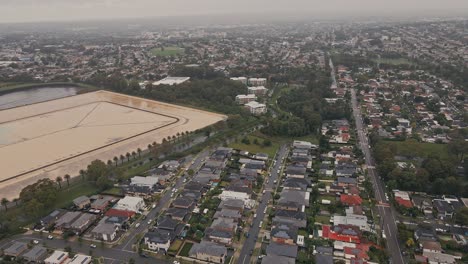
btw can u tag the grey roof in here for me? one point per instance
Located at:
(67, 219)
(285, 232)
(83, 220)
(80, 200)
(323, 259)
(183, 202)
(36, 253)
(347, 180)
(177, 212)
(282, 250)
(158, 236)
(232, 203)
(324, 250)
(295, 196)
(167, 223)
(223, 223)
(52, 217)
(272, 259)
(213, 232)
(104, 227)
(296, 170)
(228, 213)
(15, 249)
(209, 248)
(295, 183)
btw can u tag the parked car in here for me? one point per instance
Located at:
(92, 246)
(50, 237)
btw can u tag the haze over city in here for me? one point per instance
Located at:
(58, 10)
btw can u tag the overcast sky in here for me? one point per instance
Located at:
(53, 10)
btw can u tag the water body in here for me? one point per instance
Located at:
(35, 95)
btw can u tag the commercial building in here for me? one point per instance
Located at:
(245, 98)
(129, 203)
(172, 80)
(58, 257)
(256, 108)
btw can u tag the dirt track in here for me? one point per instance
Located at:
(62, 136)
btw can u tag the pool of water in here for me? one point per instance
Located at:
(35, 95)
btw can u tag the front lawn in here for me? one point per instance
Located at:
(184, 252)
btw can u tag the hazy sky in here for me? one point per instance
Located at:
(52, 10)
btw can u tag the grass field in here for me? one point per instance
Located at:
(322, 219)
(417, 149)
(186, 249)
(253, 148)
(166, 51)
(66, 195)
(174, 248)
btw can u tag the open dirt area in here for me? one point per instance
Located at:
(62, 136)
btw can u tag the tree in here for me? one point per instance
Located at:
(134, 154)
(59, 181)
(5, 203)
(139, 152)
(266, 143)
(122, 159)
(67, 177)
(116, 160)
(96, 170)
(16, 200)
(410, 243)
(82, 174)
(128, 156)
(190, 172)
(461, 216)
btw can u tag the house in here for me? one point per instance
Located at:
(183, 202)
(120, 213)
(257, 90)
(350, 200)
(82, 202)
(240, 79)
(66, 220)
(295, 171)
(346, 182)
(171, 81)
(82, 223)
(219, 236)
(345, 233)
(352, 219)
(36, 254)
(297, 144)
(284, 234)
(300, 184)
(228, 195)
(235, 204)
(256, 108)
(439, 258)
(284, 250)
(129, 203)
(16, 249)
(180, 214)
(58, 257)
(158, 240)
(293, 197)
(50, 219)
(173, 226)
(170, 165)
(228, 213)
(81, 259)
(148, 182)
(274, 259)
(295, 218)
(245, 98)
(209, 252)
(100, 202)
(104, 230)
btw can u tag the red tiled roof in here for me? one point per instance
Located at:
(350, 199)
(357, 252)
(330, 234)
(403, 202)
(121, 213)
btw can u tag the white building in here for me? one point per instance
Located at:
(257, 90)
(245, 98)
(240, 79)
(256, 108)
(172, 80)
(257, 81)
(129, 203)
(144, 181)
(58, 257)
(352, 219)
(81, 259)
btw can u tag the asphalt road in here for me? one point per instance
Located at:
(249, 243)
(383, 207)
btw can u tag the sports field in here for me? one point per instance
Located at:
(166, 51)
(62, 136)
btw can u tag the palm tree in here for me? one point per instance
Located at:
(174, 138)
(59, 181)
(149, 146)
(67, 177)
(5, 203)
(164, 140)
(134, 154)
(128, 156)
(16, 200)
(116, 160)
(122, 158)
(139, 152)
(109, 163)
(82, 174)
(168, 138)
(177, 135)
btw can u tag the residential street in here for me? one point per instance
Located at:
(383, 206)
(249, 243)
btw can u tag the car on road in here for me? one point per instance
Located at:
(255, 215)
(92, 246)
(264, 191)
(50, 237)
(275, 181)
(260, 225)
(251, 252)
(149, 222)
(153, 206)
(137, 225)
(36, 242)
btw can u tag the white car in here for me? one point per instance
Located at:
(36, 242)
(149, 222)
(137, 225)
(92, 246)
(50, 237)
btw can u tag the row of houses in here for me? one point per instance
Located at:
(40, 254)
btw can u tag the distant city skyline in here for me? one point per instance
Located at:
(67, 10)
